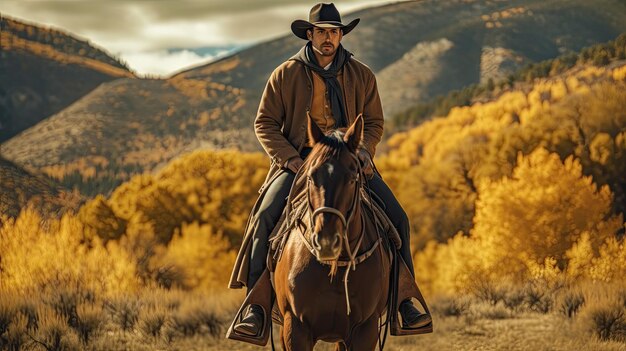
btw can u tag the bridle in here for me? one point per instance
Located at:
(356, 200)
(327, 209)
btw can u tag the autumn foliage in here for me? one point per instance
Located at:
(509, 200)
(146, 263)
(174, 229)
(530, 185)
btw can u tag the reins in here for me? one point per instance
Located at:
(353, 259)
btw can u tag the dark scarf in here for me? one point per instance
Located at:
(342, 56)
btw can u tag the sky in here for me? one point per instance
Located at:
(159, 37)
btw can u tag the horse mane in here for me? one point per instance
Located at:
(329, 146)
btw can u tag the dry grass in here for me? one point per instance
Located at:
(157, 318)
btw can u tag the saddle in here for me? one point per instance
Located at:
(374, 209)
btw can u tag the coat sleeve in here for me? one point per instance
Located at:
(372, 117)
(269, 121)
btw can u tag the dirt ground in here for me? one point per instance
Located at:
(528, 331)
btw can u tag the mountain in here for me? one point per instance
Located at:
(418, 49)
(43, 70)
(598, 55)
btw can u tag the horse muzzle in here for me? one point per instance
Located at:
(326, 247)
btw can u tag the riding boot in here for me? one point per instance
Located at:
(412, 317)
(252, 323)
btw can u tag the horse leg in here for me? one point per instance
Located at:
(295, 335)
(365, 336)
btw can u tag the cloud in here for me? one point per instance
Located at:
(141, 31)
(163, 62)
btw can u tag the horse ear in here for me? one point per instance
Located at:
(314, 132)
(353, 136)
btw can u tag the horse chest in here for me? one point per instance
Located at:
(304, 288)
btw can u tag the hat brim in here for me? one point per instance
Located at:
(299, 27)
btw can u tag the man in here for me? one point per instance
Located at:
(324, 82)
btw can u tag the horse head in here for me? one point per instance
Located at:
(333, 181)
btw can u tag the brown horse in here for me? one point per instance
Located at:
(332, 238)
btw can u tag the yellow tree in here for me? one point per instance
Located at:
(540, 212)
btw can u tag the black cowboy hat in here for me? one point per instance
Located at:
(323, 16)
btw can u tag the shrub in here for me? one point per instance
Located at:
(571, 303)
(197, 317)
(17, 316)
(151, 322)
(210, 321)
(54, 334)
(186, 323)
(488, 292)
(609, 322)
(89, 322)
(16, 334)
(452, 306)
(514, 299)
(7, 311)
(124, 312)
(538, 299)
(29, 310)
(64, 302)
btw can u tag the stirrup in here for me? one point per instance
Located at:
(406, 289)
(261, 294)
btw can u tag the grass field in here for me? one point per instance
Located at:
(461, 323)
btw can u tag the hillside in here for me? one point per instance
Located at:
(19, 188)
(127, 126)
(598, 54)
(130, 126)
(443, 45)
(43, 70)
(442, 168)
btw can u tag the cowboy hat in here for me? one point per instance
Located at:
(323, 16)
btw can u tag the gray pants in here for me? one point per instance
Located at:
(275, 200)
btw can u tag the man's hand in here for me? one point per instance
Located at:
(294, 164)
(366, 162)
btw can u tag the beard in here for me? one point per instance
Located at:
(326, 49)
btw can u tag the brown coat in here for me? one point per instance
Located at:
(281, 122)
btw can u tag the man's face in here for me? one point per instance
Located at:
(325, 40)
